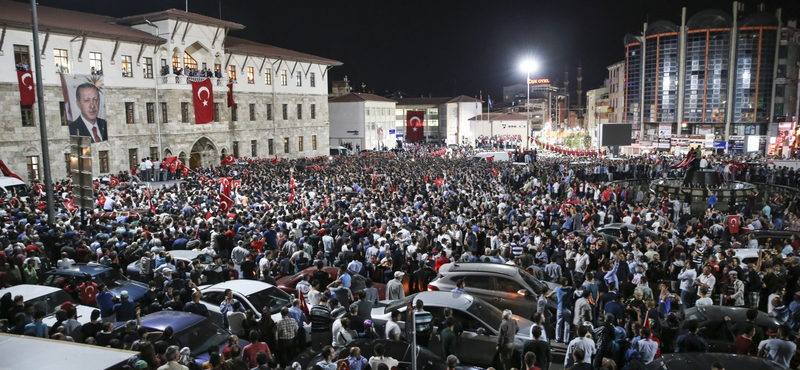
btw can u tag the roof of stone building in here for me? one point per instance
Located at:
(181, 16)
(423, 101)
(359, 97)
(463, 99)
(241, 46)
(16, 14)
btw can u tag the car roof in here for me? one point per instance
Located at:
(242, 286)
(177, 319)
(495, 268)
(28, 291)
(445, 299)
(185, 255)
(718, 313)
(703, 361)
(81, 269)
(10, 181)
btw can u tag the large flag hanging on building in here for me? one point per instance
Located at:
(414, 129)
(230, 96)
(203, 95)
(27, 94)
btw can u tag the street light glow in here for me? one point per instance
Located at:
(529, 66)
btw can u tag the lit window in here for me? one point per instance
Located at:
(127, 66)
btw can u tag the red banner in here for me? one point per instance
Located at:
(203, 95)
(414, 129)
(230, 96)
(27, 94)
(113, 181)
(225, 203)
(7, 172)
(734, 223)
(225, 183)
(236, 184)
(228, 160)
(185, 171)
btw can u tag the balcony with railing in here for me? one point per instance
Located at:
(174, 79)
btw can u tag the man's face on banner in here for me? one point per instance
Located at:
(89, 103)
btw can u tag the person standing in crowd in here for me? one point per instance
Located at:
(505, 339)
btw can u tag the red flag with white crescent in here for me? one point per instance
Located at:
(439, 182)
(203, 97)
(414, 127)
(230, 96)
(326, 201)
(225, 203)
(185, 171)
(39, 188)
(202, 179)
(113, 181)
(27, 94)
(101, 200)
(235, 184)
(225, 185)
(228, 160)
(734, 223)
(494, 171)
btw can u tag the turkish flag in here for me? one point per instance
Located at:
(235, 184)
(39, 188)
(225, 185)
(225, 203)
(414, 130)
(185, 171)
(439, 182)
(101, 200)
(211, 182)
(203, 95)
(7, 172)
(490, 159)
(202, 179)
(69, 204)
(27, 94)
(230, 96)
(228, 160)
(734, 223)
(494, 171)
(113, 181)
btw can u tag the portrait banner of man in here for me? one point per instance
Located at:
(85, 106)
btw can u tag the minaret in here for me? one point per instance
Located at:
(566, 91)
(580, 95)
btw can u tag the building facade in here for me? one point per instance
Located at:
(446, 119)
(363, 120)
(616, 88)
(501, 125)
(597, 108)
(714, 73)
(145, 61)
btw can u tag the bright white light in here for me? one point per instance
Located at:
(529, 66)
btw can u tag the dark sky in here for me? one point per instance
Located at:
(443, 47)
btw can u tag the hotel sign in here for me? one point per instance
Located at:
(538, 81)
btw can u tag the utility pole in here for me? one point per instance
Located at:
(48, 182)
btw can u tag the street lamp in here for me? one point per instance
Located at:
(527, 66)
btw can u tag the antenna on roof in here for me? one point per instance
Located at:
(187, 6)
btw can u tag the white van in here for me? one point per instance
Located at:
(339, 150)
(498, 156)
(8, 185)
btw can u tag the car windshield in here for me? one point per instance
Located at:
(398, 304)
(694, 314)
(201, 336)
(112, 279)
(50, 303)
(272, 296)
(535, 284)
(491, 315)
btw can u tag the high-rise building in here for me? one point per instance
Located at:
(616, 88)
(715, 73)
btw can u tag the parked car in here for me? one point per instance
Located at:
(112, 278)
(193, 331)
(481, 322)
(703, 361)
(772, 237)
(746, 256)
(613, 231)
(132, 270)
(398, 350)
(254, 295)
(288, 284)
(503, 286)
(48, 299)
(712, 326)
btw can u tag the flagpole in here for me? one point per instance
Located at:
(48, 183)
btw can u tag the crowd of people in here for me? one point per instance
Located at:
(498, 141)
(394, 218)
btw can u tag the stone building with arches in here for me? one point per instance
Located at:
(148, 62)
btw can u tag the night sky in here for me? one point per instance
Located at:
(443, 48)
